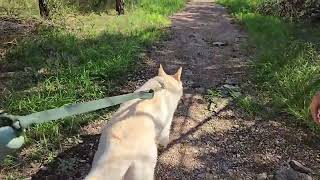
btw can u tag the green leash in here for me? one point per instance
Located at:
(11, 126)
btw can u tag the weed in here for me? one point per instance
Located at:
(248, 104)
(9, 161)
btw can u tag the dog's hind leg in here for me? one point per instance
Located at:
(141, 170)
(109, 170)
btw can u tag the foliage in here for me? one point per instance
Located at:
(286, 64)
(291, 9)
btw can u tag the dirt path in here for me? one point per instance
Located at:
(207, 146)
(204, 145)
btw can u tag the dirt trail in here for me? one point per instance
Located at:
(205, 145)
(224, 146)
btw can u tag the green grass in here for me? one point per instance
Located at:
(85, 57)
(286, 63)
(25, 7)
(247, 103)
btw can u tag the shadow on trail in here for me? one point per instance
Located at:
(227, 154)
(238, 152)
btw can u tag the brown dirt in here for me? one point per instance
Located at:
(11, 31)
(204, 144)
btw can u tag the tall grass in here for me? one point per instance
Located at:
(26, 7)
(287, 58)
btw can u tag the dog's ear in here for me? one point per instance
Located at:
(161, 71)
(177, 75)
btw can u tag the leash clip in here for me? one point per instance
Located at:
(9, 120)
(11, 136)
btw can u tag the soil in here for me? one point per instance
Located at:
(204, 144)
(11, 31)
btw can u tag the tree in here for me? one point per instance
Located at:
(43, 7)
(120, 7)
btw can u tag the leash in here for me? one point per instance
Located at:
(12, 126)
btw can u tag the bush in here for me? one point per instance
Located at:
(294, 10)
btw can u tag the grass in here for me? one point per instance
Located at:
(84, 56)
(25, 7)
(286, 63)
(245, 102)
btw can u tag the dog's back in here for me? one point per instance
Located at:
(128, 144)
(122, 145)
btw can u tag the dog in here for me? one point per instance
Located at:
(128, 144)
(315, 108)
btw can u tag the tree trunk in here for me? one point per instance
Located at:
(120, 6)
(43, 7)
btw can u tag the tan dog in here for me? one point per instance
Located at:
(315, 108)
(128, 144)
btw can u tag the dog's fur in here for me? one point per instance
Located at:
(128, 144)
(315, 108)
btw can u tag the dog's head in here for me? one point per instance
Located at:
(171, 82)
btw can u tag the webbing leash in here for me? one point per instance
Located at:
(11, 126)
